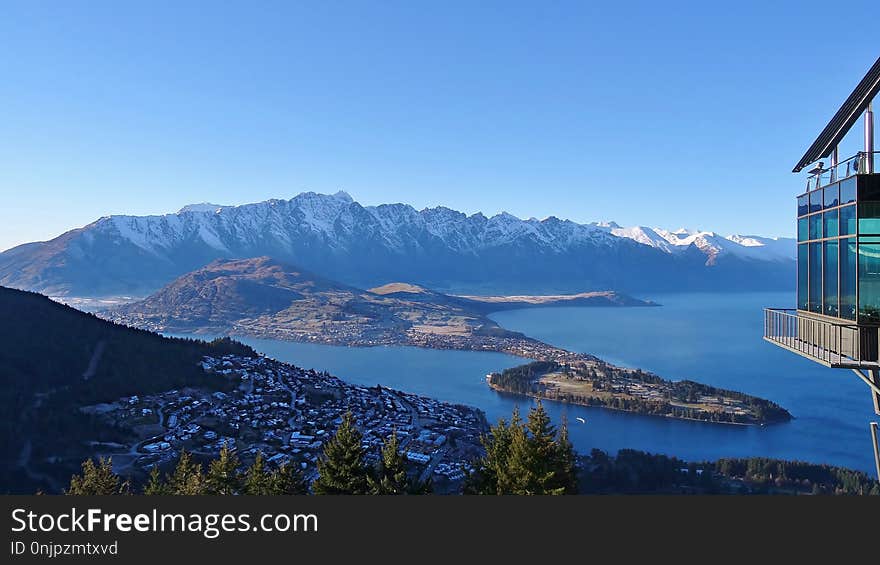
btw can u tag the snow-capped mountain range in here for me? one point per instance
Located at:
(366, 245)
(710, 243)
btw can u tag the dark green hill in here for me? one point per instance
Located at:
(54, 359)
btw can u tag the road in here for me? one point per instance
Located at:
(438, 456)
(285, 386)
(432, 464)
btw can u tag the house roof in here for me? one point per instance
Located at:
(844, 119)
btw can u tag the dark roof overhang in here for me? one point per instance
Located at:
(844, 119)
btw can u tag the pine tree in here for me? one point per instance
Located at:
(391, 471)
(155, 485)
(525, 458)
(566, 461)
(542, 431)
(288, 480)
(524, 474)
(187, 478)
(97, 480)
(423, 488)
(341, 469)
(543, 454)
(257, 481)
(491, 474)
(222, 476)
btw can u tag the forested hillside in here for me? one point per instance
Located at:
(54, 359)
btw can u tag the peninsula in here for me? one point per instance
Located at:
(592, 382)
(267, 299)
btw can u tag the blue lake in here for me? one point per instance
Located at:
(710, 338)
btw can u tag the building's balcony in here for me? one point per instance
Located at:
(861, 163)
(833, 344)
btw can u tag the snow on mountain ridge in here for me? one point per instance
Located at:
(340, 222)
(369, 245)
(201, 207)
(711, 243)
(643, 235)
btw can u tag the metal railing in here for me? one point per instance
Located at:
(834, 344)
(860, 163)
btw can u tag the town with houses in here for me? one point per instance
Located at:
(287, 414)
(519, 346)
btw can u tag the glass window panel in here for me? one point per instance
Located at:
(803, 205)
(869, 282)
(816, 200)
(829, 279)
(868, 190)
(831, 196)
(848, 220)
(869, 217)
(803, 229)
(847, 279)
(815, 226)
(803, 300)
(848, 191)
(815, 277)
(830, 223)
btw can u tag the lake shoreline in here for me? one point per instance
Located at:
(500, 340)
(596, 383)
(601, 407)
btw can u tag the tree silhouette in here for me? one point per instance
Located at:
(341, 469)
(97, 480)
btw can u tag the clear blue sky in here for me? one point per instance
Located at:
(656, 113)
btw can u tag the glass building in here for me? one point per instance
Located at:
(837, 318)
(838, 233)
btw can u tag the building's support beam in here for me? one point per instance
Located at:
(872, 379)
(835, 160)
(875, 439)
(869, 137)
(875, 378)
(875, 389)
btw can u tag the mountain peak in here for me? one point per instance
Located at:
(612, 225)
(506, 217)
(246, 263)
(399, 287)
(200, 207)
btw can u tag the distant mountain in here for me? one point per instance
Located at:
(216, 297)
(258, 295)
(264, 297)
(709, 243)
(56, 359)
(365, 246)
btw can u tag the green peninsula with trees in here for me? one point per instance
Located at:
(592, 382)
